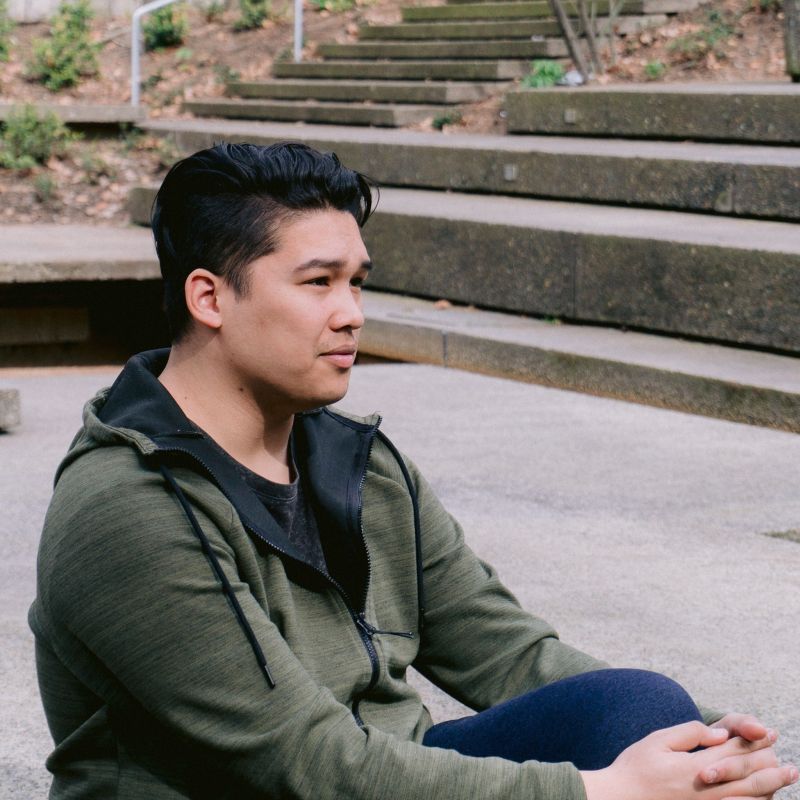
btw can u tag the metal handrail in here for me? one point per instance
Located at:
(136, 40)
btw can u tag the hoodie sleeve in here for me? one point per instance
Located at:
(128, 603)
(479, 644)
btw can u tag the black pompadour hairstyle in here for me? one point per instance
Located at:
(222, 208)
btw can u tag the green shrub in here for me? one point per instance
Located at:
(710, 38)
(28, 139)
(450, 118)
(543, 74)
(653, 70)
(69, 54)
(253, 13)
(333, 5)
(165, 27)
(6, 29)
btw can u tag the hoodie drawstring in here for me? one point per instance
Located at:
(221, 576)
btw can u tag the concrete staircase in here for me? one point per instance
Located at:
(438, 58)
(618, 240)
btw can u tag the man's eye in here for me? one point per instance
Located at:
(358, 281)
(322, 280)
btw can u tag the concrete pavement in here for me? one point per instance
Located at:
(638, 532)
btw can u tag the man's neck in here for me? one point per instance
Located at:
(228, 413)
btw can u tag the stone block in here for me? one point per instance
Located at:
(402, 342)
(768, 114)
(717, 292)
(10, 416)
(638, 383)
(497, 266)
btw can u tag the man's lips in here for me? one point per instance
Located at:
(341, 356)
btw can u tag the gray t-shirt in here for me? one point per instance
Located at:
(289, 505)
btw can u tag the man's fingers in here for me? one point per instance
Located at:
(763, 783)
(685, 737)
(735, 768)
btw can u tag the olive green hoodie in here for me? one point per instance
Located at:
(156, 684)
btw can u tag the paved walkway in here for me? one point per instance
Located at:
(639, 532)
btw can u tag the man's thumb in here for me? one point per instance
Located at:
(689, 735)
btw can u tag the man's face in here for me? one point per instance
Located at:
(291, 340)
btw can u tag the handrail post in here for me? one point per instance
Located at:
(298, 31)
(136, 44)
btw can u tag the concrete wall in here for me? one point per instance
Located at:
(39, 10)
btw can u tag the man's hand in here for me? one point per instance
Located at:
(661, 767)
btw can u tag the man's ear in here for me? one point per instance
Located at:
(201, 290)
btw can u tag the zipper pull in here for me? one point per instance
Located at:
(371, 630)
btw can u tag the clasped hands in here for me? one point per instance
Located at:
(738, 761)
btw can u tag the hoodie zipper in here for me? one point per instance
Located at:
(365, 630)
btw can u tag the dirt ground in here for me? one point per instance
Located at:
(725, 40)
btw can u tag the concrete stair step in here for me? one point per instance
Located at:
(83, 113)
(749, 112)
(515, 29)
(532, 9)
(428, 92)
(731, 280)
(706, 379)
(381, 115)
(487, 70)
(740, 385)
(501, 48)
(740, 180)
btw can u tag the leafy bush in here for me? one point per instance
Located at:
(333, 5)
(6, 28)
(253, 13)
(543, 74)
(165, 27)
(214, 11)
(653, 70)
(28, 139)
(69, 54)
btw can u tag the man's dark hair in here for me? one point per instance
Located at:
(222, 208)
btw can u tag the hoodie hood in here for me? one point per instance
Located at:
(331, 449)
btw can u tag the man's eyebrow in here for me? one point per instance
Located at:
(321, 263)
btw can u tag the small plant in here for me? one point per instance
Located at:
(693, 47)
(28, 139)
(6, 29)
(450, 118)
(213, 11)
(165, 27)
(253, 14)
(44, 187)
(653, 70)
(224, 74)
(69, 54)
(543, 74)
(95, 167)
(334, 6)
(767, 6)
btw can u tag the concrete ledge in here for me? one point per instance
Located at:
(418, 70)
(420, 92)
(9, 409)
(726, 279)
(728, 179)
(710, 380)
(381, 115)
(83, 114)
(511, 48)
(742, 113)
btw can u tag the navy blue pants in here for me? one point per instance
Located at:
(588, 719)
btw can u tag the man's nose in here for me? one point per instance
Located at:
(349, 312)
